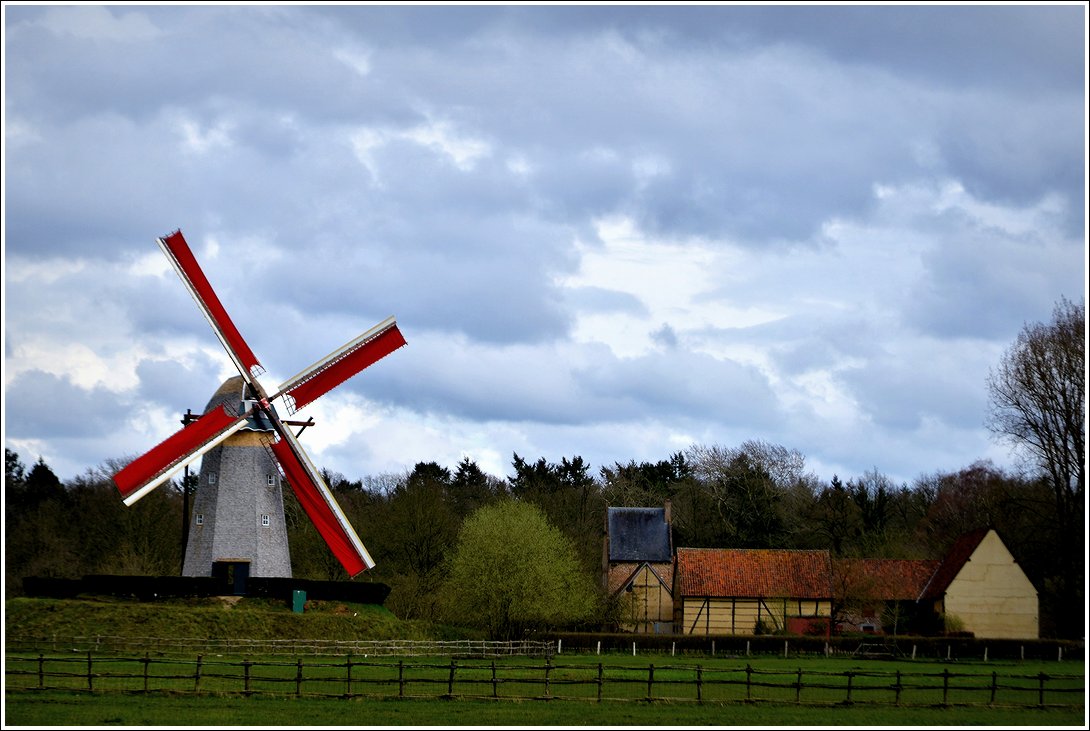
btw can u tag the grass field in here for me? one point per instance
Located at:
(53, 708)
(576, 707)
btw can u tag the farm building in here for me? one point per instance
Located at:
(978, 587)
(981, 585)
(638, 567)
(879, 595)
(719, 591)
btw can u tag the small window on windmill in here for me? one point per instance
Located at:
(211, 478)
(270, 480)
(265, 520)
(199, 520)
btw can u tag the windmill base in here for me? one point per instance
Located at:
(152, 588)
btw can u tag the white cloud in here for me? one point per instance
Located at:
(355, 59)
(202, 139)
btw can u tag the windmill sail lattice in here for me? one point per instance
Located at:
(159, 464)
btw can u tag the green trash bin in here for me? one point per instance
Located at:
(298, 600)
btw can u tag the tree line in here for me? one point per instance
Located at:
(752, 495)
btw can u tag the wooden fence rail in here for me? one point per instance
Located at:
(240, 646)
(355, 676)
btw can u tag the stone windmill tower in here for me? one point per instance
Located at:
(238, 518)
(236, 527)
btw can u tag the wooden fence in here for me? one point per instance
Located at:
(239, 646)
(351, 677)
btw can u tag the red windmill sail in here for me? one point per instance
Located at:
(158, 465)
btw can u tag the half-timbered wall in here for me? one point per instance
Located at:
(740, 615)
(647, 604)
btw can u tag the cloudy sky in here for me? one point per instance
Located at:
(612, 232)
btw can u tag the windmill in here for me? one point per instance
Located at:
(223, 420)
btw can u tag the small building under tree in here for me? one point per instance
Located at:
(980, 587)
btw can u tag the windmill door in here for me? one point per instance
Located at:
(232, 574)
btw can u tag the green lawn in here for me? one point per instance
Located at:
(55, 708)
(118, 699)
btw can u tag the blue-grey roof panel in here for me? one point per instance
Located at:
(638, 534)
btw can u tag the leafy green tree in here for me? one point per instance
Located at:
(834, 519)
(873, 496)
(471, 488)
(413, 539)
(570, 499)
(646, 484)
(512, 573)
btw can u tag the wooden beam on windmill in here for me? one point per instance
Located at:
(149, 471)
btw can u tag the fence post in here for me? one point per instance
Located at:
(945, 684)
(548, 669)
(600, 680)
(897, 690)
(699, 684)
(400, 678)
(1041, 689)
(991, 701)
(298, 677)
(749, 670)
(747, 647)
(798, 687)
(246, 675)
(673, 648)
(41, 671)
(450, 680)
(850, 674)
(146, 660)
(494, 695)
(559, 645)
(348, 676)
(785, 649)
(1059, 654)
(913, 652)
(985, 653)
(599, 650)
(90, 684)
(650, 680)
(197, 676)
(633, 648)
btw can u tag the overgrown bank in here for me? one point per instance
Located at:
(209, 617)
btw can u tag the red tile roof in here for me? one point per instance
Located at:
(725, 572)
(894, 579)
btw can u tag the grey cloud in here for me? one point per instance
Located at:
(985, 283)
(39, 405)
(665, 336)
(753, 126)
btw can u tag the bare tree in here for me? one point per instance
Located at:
(1038, 404)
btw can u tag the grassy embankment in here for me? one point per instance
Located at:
(259, 619)
(211, 617)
